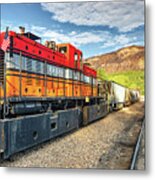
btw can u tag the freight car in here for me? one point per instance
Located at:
(45, 91)
(135, 95)
(117, 95)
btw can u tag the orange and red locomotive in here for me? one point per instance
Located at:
(35, 70)
(47, 90)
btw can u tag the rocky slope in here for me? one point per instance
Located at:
(126, 59)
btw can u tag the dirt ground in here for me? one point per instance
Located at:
(105, 144)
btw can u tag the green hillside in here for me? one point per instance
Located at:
(131, 79)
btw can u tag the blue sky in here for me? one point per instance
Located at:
(94, 27)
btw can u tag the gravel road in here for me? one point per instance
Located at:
(84, 148)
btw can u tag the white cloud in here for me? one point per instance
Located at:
(73, 33)
(119, 41)
(75, 38)
(38, 29)
(120, 14)
(108, 40)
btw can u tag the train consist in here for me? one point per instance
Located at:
(117, 95)
(47, 90)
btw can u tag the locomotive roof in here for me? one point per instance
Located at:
(31, 36)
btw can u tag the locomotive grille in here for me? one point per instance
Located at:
(29, 81)
(1, 67)
(29, 69)
(38, 81)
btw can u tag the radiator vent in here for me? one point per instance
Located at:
(1, 67)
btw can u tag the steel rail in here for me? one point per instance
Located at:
(137, 147)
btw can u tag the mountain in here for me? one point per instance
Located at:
(124, 66)
(126, 59)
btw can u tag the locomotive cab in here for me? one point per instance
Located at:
(73, 55)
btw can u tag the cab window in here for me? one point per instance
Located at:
(63, 50)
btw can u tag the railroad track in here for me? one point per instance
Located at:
(126, 149)
(137, 148)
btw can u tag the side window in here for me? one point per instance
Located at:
(94, 81)
(23, 63)
(45, 68)
(53, 71)
(7, 57)
(84, 78)
(9, 61)
(41, 67)
(76, 75)
(56, 71)
(61, 72)
(81, 77)
(16, 61)
(70, 74)
(34, 65)
(28, 64)
(48, 69)
(50, 73)
(38, 66)
(87, 79)
(76, 57)
(67, 73)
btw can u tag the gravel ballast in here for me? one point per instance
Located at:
(83, 148)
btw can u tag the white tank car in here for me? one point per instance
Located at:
(118, 95)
